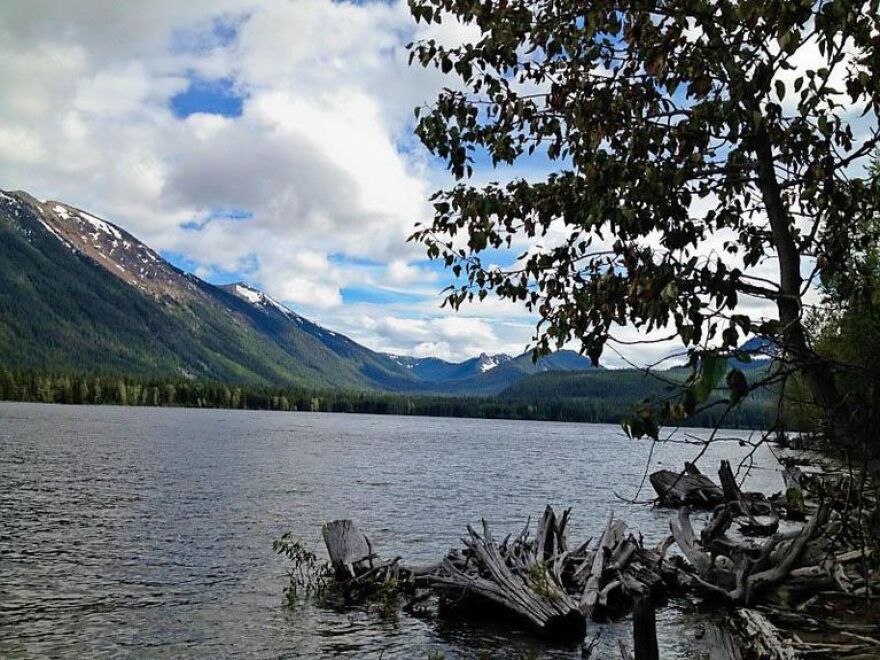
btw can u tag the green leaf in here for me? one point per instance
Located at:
(669, 293)
(780, 89)
(712, 368)
(738, 385)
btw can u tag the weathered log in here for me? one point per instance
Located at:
(750, 574)
(349, 550)
(729, 486)
(721, 520)
(761, 640)
(777, 573)
(678, 489)
(555, 590)
(610, 538)
(533, 594)
(683, 533)
(551, 536)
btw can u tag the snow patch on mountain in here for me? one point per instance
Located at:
(401, 360)
(100, 225)
(259, 299)
(252, 296)
(489, 362)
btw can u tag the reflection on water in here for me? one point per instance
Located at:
(149, 532)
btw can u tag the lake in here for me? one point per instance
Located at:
(148, 532)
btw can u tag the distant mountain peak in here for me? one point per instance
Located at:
(489, 362)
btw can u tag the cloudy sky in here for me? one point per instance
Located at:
(268, 141)
(259, 140)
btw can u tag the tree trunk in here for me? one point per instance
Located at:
(817, 374)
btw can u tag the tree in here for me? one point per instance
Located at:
(847, 327)
(702, 154)
(121, 392)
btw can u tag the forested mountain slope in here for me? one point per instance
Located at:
(79, 294)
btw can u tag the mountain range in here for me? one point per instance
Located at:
(79, 293)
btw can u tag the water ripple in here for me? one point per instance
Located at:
(148, 532)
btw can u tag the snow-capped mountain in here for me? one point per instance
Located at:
(435, 369)
(488, 374)
(120, 252)
(78, 293)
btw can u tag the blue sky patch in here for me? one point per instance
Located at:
(348, 260)
(216, 276)
(217, 97)
(376, 296)
(217, 214)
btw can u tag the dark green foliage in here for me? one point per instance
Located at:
(685, 149)
(847, 330)
(612, 395)
(591, 396)
(307, 576)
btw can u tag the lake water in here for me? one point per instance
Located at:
(148, 532)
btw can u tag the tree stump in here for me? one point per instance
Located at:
(676, 489)
(349, 550)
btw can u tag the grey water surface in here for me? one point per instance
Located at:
(148, 532)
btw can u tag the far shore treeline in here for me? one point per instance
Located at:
(600, 397)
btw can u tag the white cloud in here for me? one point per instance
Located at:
(314, 156)
(322, 155)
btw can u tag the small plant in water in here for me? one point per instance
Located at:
(539, 579)
(386, 598)
(309, 576)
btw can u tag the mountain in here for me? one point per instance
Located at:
(623, 387)
(440, 371)
(488, 375)
(379, 369)
(78, 293)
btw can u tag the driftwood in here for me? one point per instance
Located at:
(592, 571)
(594, 582)
(352, 557)
(759, 639)
(540, 580)
(685, 488)
(348, 549)
(524, 582)
(748, 570)
(729, 486)
(556, 588)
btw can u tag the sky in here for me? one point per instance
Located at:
(265, 141)
(268, 141)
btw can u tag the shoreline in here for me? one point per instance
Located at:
(610, 421)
